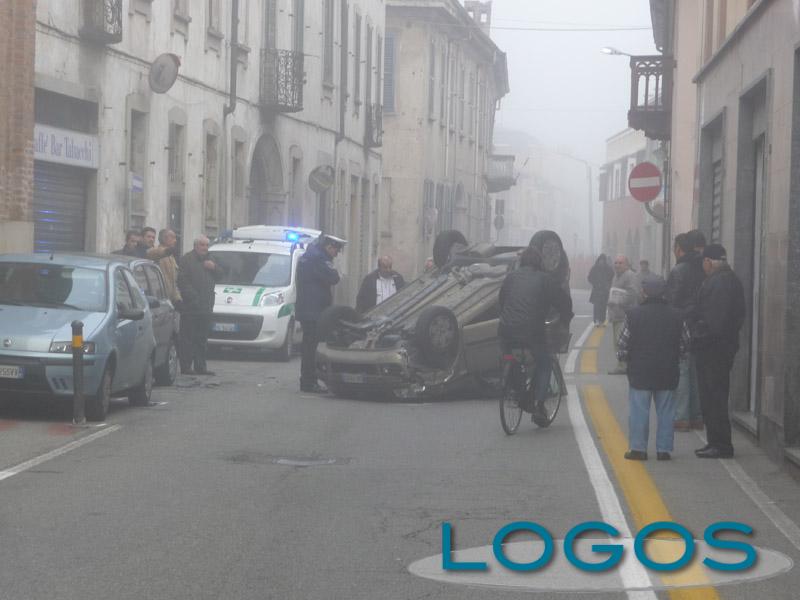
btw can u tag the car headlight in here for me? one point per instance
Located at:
(275, 299)
(66, 347)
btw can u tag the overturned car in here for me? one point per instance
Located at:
(437, 334)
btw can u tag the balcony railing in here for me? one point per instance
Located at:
(500, 173)
(373, 135)
(651, 95)
(102, 21)
(282, 79)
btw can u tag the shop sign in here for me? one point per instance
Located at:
(65, 147)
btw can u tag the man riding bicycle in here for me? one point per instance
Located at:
(527, 297)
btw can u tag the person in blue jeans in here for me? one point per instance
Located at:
(653, 340)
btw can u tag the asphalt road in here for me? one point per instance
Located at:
(237, 486)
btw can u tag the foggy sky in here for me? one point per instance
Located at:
(564, 91)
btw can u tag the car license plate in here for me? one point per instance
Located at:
(11, 372)
(352, 378)
(226, 327)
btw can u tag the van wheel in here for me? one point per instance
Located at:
(165, 374)
(287, 350)
(444, 245)
(97, 405)
(140, 395)
(437, 336)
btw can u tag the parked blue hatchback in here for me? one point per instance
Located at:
(41, 295)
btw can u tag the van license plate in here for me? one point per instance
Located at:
(226, 327)
(11, 372)
(352, 378)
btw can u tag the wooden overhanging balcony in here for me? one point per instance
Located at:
(373, 133)
(651, 95)
(282, 79)
(102, 21)
(500, 173)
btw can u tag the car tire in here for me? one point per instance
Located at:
(287, 350)
(437, 335)
(443, 246)
(97, 404)
(140, 395)
(165, 374)
(331, 318)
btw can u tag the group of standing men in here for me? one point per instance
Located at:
(676, 340)
(190, 282)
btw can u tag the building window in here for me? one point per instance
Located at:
(137, 167)
(389, 63)
(461, 100)
(369, 67)
(175, 153)
(443, 89)
(211, 179)
(617, 182)
(432, 81)
(239, 161)
(242, 33)
(379, 63)
(298, 32)
(213, 25)
(357, 64)
(453, 90)
(327, 39)
(345, 49)
(471, 125)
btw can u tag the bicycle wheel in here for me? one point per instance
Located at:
(556, 391)
(510, 409)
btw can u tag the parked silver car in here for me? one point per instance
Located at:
(41, 295)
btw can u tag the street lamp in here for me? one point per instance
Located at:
(613, 51)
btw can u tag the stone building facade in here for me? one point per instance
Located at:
(443, 79)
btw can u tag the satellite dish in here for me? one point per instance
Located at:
(164, 72)
(322, 178)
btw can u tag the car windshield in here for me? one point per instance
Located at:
(56, 286)
(254, 268)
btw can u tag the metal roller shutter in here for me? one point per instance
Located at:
(59, 206)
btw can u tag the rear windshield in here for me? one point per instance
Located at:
(53, 286)
(254, 268)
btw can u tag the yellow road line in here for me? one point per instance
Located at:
(643, 498)
(588, 362)
(595, 338)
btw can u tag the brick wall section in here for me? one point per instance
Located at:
(17, 47)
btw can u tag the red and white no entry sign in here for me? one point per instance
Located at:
(645, 182)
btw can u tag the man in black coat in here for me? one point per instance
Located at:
(316, 277)
(526, 298)
(652, 341)
(197, 277)
(683, 284)
(133, 245)
(380, 285)
(715, 323)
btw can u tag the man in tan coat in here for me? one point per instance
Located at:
(164, 255)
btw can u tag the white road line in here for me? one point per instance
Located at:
(780, 519)
(572, 357)
(585, 335)
(34, 462)
(632, 573)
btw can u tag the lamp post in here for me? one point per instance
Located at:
(611, 51)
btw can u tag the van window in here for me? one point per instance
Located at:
(254, 268)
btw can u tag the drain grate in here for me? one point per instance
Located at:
(259, 458)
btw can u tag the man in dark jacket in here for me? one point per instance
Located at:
(683, 284)
(197, 276)
(527, 296)
(653, 339)
(600, 277)
(133, 245)
(316, 277)
(715, 323)
(380, 285)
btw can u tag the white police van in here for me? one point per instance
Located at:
(255, 301)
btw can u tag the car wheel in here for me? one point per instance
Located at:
(97, 405)
(330, 320)
(437, 336)
(444, 244)
(165, 374)
(287, 350)
(140, 395)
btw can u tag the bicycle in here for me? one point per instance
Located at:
(518, 386)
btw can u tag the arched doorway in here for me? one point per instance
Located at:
(267, 196)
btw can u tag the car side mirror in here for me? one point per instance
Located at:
(153, 302)
(131, 314)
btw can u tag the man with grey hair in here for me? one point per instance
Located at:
(715, 323)
(380, 285)
(625, 294)
(197, 277)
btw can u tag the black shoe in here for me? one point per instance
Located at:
(313, 389)
(714, 453)
(703, 449)
(204, 372)
(663, 456)
(636, 455)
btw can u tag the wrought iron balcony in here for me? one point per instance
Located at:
(500, 173)
(373, 134)
(102, 21)
(651, 95)
(282, 79)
